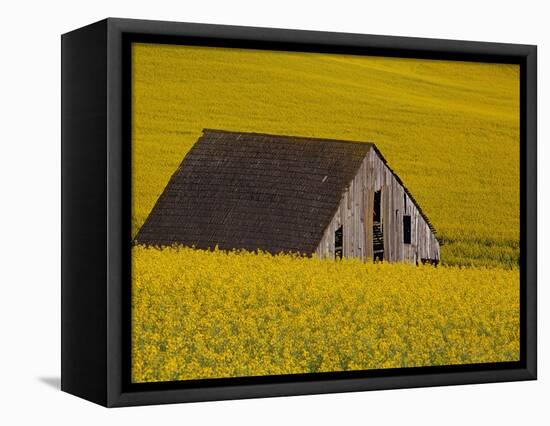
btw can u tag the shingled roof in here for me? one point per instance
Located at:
(256, 191)
(253, 191)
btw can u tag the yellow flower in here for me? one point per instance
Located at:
(210, 314)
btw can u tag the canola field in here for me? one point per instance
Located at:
(450, 130)
(200, 314)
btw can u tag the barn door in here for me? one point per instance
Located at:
(377, 229)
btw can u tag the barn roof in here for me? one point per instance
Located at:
(254, 191)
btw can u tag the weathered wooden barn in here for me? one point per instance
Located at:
(322, 197)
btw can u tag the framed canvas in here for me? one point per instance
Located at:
(253, 212)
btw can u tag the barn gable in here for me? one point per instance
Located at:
(253, 191)
(290, 194)
(398, 232)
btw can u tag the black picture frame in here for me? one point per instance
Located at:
(96, 212)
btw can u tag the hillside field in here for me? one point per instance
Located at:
(450, 130)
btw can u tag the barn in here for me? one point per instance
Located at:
(317, 197)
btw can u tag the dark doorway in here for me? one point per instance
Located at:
(376, 208)
(377, 229)
(339, 243)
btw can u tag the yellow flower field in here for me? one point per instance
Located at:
(450, 130)
(200, 314)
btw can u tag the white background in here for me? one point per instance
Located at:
(30, 211)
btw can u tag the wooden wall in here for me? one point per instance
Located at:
(355, 214)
